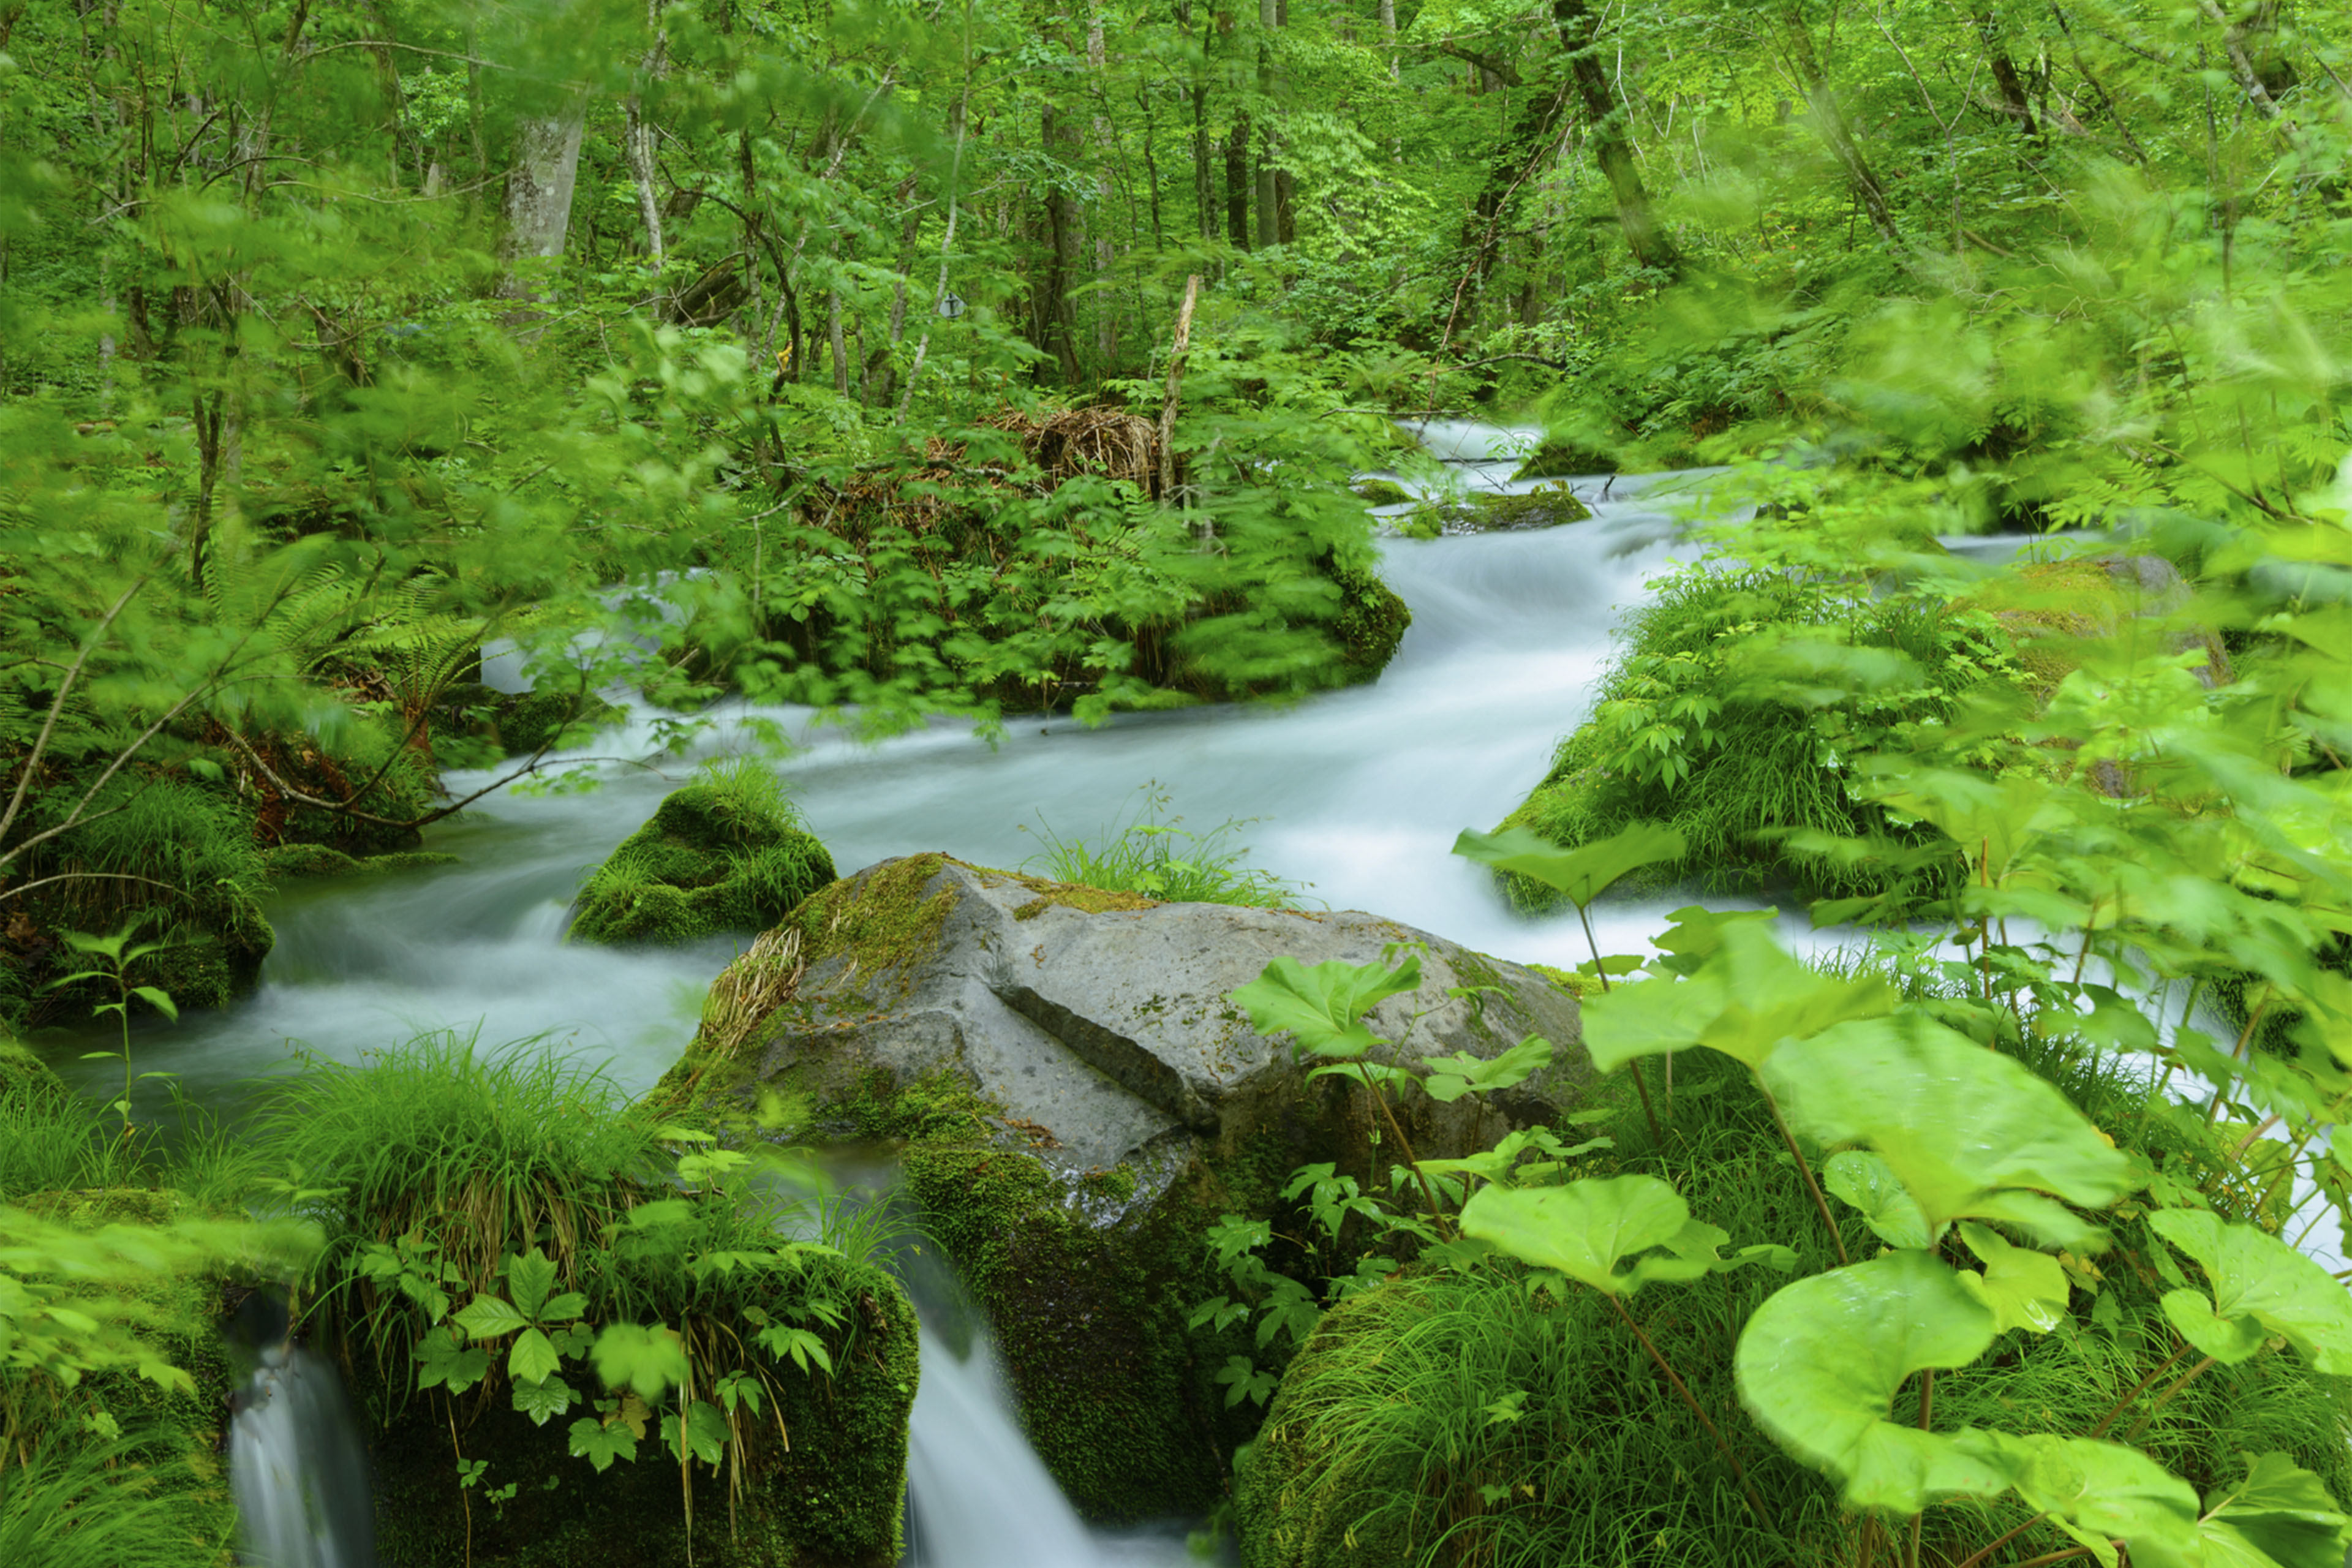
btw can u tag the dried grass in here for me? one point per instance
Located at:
(1107, 442)
(751, 988)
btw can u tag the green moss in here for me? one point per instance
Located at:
(531, 719)
(883, 922)
(715, 857)
(1381, 492)
(1558, 456)
(23, 1073)
(1482, 512)
(1372, 620)
(290, 862)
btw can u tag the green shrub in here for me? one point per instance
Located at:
(1487, 512)
(1157, 856)
(1712, 720)
(727, 853)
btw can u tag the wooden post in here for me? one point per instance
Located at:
(1175, 381)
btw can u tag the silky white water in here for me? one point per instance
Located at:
(296, 1468)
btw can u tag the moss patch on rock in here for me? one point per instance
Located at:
(1088, 1279)
(726, 853)
(301, 862)
(1480, 511)
(1558, 456)
(1371, 621)
(1381, 492)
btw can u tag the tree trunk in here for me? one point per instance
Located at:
(637, 143)
(1106, 252)
(2014, 101)
(1269, 197)
(1237, 184)
(1058, 318)
(539, 190)
(1829, 119)
(1613, 147)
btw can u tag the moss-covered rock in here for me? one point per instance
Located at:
(1487, 512)
(1381, 492)
(1079, 1101)
(1559, 456)
(22, 1073)
(301, 862)
(725, 854)
(1372, 622)
(832, 1496)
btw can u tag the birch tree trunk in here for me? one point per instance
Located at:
(539, 192)
(638, 140)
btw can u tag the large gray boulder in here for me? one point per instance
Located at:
(1100, 1023)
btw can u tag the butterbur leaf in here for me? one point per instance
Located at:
(2227, 1339)
(1586, 1229)
(530, 1278)
(2283, 1511)
(545, 1400)
(1321, 1006)
(1865, 1179)
(2258, 1278)
(1648, 1018)
(1451, 1077)
(1957, 1123)
(2106, 1491)
(533, 1358)
(648, 1358)
(2025, 1290)
(487, 1317)
(601, 1444)
(1769, 997)
(1582, 873)
(1819, 1363)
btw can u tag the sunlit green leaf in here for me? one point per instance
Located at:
(1865, 1179)
(1451, 1077)
(2260, 1279)
(1587, 1229)
(2025, 1290)
(1582, 873)
(1321, 1006)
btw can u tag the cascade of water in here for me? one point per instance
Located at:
(296, 1465)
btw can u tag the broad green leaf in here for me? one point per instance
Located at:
(1583, 873)
(1769, 997)
(2227, 1339)
(1321, 1006)
(533, 1358)
(648, 1358)
(2283, 1511)
(705, 1431)
(2106, 1490)
(1648, 1018)
(1865, 1179)
(487, 1317)
(2025, 1290)
(531, 1277)
(1819, 1362)
(562, 1309)
(441, 1363)
(1956, 1122)
(159, 1000)
(1990, 820)
(2256, 1276)
(601, 1444)
(1586, 1229)
(1451, 1077)
(544, 1401)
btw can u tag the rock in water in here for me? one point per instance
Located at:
(1102, 1021)
(729, 854)
(1077, 1102)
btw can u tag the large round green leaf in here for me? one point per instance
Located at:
(1586, 1229)
(1819, 1364)
(1956, 1122)
(2258, 1278)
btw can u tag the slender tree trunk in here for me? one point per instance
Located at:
(1237, 184)
(538, 191)
(2014, 101)
(638, 140)
(1830, 121)
(1269, 199)
(1057, 322)
(1106, 251)
(1613, 146)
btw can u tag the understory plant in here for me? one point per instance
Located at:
(1150, 852)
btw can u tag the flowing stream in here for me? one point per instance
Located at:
(1357, 794)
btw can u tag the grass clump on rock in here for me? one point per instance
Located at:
(1724, 717)
(1483, 511)
(728, 852)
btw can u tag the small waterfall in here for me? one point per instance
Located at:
(296, 1465)
(977, 1494)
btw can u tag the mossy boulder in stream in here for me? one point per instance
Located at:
(1487, 512)
(728, 853)
(1077, 1102)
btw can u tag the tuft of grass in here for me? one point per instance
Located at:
(1147, 851)
(727, 852)
(53, 1141)
(1711, 720)
(476, 1147)
(77, 1501)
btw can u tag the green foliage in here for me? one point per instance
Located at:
(728, 853)
(1725, 719)
(1155, 855)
